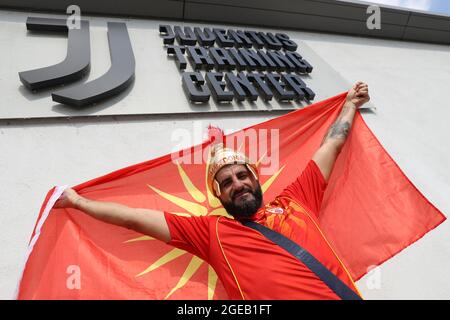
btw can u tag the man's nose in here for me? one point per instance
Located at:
(237, 184)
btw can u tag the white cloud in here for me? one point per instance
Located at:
(412, 4)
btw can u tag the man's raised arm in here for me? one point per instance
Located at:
(146, 221)
(337, 134)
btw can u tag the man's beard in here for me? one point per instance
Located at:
(246, 207)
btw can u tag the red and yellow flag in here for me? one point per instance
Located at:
(370, 212)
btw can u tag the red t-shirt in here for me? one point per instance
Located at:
(251, 266)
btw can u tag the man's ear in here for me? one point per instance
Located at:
(216, 188)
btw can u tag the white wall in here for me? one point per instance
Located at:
(409, 84)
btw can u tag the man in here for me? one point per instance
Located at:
(250, 265)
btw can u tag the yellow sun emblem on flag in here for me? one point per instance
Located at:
(197, 207)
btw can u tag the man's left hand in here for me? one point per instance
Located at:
(359, 94)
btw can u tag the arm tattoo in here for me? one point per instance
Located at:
(339, 130)
(341, 127)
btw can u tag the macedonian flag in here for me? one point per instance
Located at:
(370, 212)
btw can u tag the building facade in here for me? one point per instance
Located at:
(45, 142)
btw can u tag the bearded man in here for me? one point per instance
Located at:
(267, 251)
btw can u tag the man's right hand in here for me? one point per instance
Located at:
(147, 221)
(68, 199)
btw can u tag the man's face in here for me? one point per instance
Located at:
(240, 192)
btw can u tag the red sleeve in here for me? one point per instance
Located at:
(308, 188)
(189, 233)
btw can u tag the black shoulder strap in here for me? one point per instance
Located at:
(331, 280)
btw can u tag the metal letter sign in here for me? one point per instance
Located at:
(226, 64)
(76, 65)
(278, 73)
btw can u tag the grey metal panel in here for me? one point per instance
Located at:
(336, 9)
(348, 17)
(440, 23)
(258, 17)
(324, 15)
(153, 8)
(427, 35)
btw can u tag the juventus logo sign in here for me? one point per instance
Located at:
(77, 63)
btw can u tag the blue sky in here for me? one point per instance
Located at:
(438, 6)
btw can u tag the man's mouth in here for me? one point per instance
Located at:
(241, 194)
